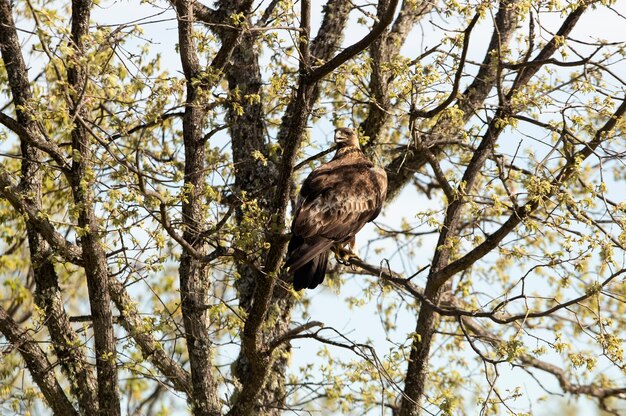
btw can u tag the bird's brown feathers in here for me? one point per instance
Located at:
(336, 200)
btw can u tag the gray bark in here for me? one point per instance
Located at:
(94, 258)
(40, 368)
(47, 292)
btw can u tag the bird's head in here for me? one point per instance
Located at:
(346, 138)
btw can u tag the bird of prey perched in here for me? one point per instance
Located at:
(336, 200)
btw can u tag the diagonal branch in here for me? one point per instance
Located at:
(402, 168)
(479, 157)
(150, 348)
(352, 50)
(457, 77)
(529, 70)
(292, 333)
(523, 212)
(9, 191)
(38, 365)
(35, 141)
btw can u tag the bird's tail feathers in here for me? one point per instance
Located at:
(301, 252)
(312, 273)
(308, 261)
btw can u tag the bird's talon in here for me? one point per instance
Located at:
(345, 257)
(342, 261)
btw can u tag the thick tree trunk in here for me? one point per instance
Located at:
(94, 258)
(47, 292)
(193, 272)
(247, 133)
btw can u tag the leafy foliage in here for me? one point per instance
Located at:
(493, 281)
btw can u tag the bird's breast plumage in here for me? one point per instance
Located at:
(339, 197)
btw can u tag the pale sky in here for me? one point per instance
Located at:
(361, 324)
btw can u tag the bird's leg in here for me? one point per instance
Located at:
(344, 252)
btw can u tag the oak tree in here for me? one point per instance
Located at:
(150, 156)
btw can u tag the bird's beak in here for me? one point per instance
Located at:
(339, 138)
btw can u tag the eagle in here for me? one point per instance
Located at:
(336, 200)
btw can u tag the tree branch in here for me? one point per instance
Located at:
(528, 71)
(566, 172)
(384, 50)
(193, 272)
(38, 365)
(9, 191)
(352, 50)
(527, 359)
(150, 348)
(254, 352)
(402, 168)
(452, 306)
(457, 77)
(287, 336)
(43, 239)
